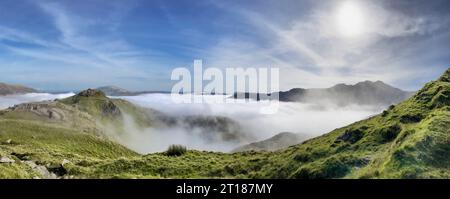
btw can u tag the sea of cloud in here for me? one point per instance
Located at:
(308, 119)
(11, 100)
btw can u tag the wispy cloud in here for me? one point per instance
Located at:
(104, 48)
(311, 52)
(79, 45)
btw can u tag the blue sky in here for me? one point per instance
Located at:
(135, 44)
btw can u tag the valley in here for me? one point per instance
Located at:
(72, 138)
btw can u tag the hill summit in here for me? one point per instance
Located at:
(94, 102)
(91, 93)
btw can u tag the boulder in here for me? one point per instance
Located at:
(6, 160)
(42, 170)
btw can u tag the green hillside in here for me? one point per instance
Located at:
(49, 133)
(409, 140)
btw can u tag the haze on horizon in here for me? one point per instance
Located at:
(74, 45)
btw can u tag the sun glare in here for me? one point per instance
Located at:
(350, 19)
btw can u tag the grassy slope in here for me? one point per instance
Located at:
(394, 144)
(410, 140)
(48, 144)
(49, 141)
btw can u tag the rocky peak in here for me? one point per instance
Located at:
(91, 93)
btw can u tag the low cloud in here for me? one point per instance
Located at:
(247, 124)
(310, 120)
(11, 100)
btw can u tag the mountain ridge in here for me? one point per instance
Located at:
(361, 93)
(118, 91)
(9, 89)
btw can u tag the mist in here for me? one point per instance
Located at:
(11, 100)
(214, 125)
(310, 120)
(159, 138)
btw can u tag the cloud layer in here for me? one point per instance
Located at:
(11, 100)
(310, 120)
(307, 119)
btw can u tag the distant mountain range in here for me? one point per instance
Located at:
(8, 89)
(362, 93)
(117, 91)
(277, 142)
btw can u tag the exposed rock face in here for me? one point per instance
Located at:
(110, 109)
(91, 93)
(41, 109)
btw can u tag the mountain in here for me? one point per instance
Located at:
(7, 89)
(72, 137)
(277, 142)
(49, 139)
(409, 140)
(362, 93)
(87, 112)
(117, 91)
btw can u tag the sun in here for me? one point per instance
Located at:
(350, 19)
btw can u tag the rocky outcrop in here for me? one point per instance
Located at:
(91, 93)
(41, 170)
(6, 160)
(110, 109)
(42, 109)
